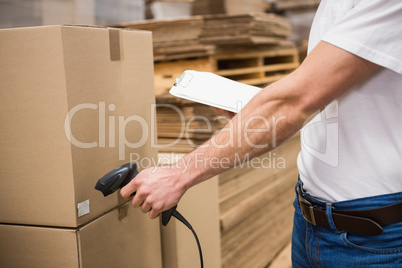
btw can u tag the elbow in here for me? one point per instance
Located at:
(308, 106)
(308, 98)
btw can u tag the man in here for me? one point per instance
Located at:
(349, 90)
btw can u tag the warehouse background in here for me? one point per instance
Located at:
(52, 216)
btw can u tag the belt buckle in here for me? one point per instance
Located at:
(308, 214)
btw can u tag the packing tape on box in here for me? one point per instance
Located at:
(114, 43)
(123, 211)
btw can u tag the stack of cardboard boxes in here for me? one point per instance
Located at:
(75, 102)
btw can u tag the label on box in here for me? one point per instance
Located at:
(83, 208)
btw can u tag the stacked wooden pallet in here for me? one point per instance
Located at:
(256, 207)
(183, 133)
(174, 38)
(256, 65)
(166, 72)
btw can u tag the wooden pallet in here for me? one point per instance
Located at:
(257, 68)
(166, 72)
(261, 67)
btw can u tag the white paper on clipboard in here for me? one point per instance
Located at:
(213, 90)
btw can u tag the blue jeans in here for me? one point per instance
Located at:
(318, 246)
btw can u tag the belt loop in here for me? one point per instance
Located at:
(328, 212)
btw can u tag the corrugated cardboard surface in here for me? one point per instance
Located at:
(200, 206)
(109, 241)
(22, 246)
(45, 73)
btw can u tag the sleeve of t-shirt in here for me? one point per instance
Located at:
(372, 30)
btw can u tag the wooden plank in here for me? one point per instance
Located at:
(259, 69)
(267, 52)
(242, 39)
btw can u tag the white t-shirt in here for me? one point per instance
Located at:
(353, 149)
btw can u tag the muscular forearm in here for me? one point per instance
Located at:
(265, 122)
(278, 111)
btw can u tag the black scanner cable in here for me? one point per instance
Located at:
(180, 217)
(120, 177)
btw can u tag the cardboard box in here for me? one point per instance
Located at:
(200, 206)
(124, 237)
(75, 102)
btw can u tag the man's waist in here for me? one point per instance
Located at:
(361, 221)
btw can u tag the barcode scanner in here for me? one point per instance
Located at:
(120, 177)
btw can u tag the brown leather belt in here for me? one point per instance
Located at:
(365, 222)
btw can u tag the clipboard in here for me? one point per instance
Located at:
(213, 90)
